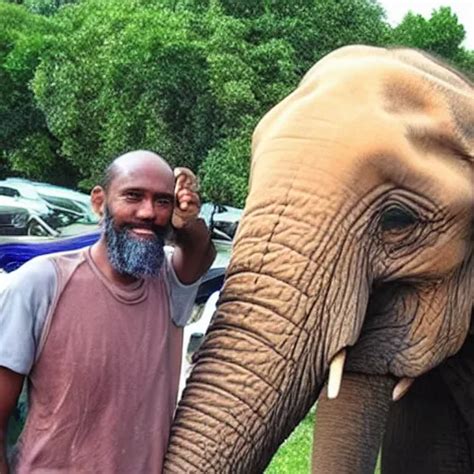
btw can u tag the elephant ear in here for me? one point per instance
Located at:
(408, 319)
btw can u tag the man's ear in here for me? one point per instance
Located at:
(98, 200)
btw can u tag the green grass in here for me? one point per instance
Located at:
(294, 455)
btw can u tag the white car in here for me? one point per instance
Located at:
(23, 212)
(221, 219)
(58, 198)
(194, 334)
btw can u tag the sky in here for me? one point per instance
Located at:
(464, 9)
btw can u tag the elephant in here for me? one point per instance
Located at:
(351, 279)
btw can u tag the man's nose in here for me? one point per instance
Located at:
(146, 211)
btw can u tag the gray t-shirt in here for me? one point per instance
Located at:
(27, 294)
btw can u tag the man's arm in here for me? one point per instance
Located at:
(194, 251)
(10, 388)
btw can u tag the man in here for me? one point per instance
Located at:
(98, 332)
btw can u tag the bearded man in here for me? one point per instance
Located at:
(98, 332)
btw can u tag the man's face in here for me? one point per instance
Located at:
(138, 209)
(130, 254)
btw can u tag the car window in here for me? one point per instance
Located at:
(63, 202)
(10, 192)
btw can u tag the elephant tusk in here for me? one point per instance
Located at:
(335, 374)
(401, 388)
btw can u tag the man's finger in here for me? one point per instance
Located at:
(187, 198)
(185, 193)
(185, 178)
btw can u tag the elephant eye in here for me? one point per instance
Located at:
(396, 218)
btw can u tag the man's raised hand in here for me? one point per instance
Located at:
(188, 203)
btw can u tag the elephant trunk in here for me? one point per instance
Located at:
(349, 430)
(241, 385)
(264, 359)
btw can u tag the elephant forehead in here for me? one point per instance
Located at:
(359, 153)
(363, 120)
(356, 100)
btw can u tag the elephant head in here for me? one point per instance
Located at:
(357, 238)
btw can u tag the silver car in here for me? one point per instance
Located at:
(52, 209)
(23, 212)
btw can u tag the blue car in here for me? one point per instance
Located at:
(15, 252)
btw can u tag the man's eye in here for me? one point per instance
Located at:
(132, 196)
(163, 202)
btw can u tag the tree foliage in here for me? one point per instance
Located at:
(27, 146)
(144, 76)
(441, 34)
(86, 80)
(43, 7)
(125, 77)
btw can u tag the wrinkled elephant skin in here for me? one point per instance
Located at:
(357, 236)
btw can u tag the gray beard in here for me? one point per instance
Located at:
(133, 256)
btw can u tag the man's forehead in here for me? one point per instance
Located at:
(143, 170)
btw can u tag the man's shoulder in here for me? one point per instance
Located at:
(42, 271)
(35, 271)
(68, 259)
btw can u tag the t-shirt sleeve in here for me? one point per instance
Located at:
(25, 297)
(181, 296)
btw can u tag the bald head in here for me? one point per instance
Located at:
(134, 161)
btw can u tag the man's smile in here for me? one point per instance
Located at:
(143, 232)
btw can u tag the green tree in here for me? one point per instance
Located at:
(464, 59)
(46, 7)
(146, 76)
(314, 28)
(28, 147)
(441, 34)
(125, 76)
(225, 172)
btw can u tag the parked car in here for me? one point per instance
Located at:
(51, 208)
(14, 252)
(221, 219)
(13, 218)
(23, 212)
(60, 198)
(196, 329)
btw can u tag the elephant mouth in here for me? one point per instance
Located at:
(336, 374)
(386, 335)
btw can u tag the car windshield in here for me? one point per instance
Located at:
(64, 203)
